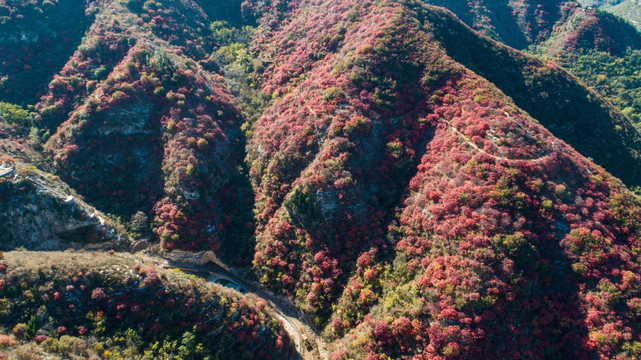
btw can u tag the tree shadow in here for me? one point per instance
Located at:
(507, 28)
(229, 11)
(237, 203)
(30, 64)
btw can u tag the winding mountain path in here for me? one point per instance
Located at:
(309, 344)
(495, 157)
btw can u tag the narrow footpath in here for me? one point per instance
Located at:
(307, 340)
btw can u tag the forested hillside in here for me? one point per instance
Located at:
(627, 9)
(416, 188)
(599, 48)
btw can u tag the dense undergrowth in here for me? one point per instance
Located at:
(627, 9)
(37, 38)
(388, 149)
(142, 124)
(100, 306)
(418, 189)
(595, 46)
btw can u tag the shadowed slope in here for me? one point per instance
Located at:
(560, 102)
(504, 235)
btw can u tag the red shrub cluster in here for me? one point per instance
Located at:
(490, 255)
(514, 236)
(37, 39)
(91, 64)
(321, 201)
(594, 30)
(180, 23)
(402, 200)
(105, 304)
(143, 126)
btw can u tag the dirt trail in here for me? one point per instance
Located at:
(308, 343)
(496, 157)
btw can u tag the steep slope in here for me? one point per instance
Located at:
(413, 209)
(600, 49)
(563, 25)
(517, 23)
(582, 30)
(141, 121)
(413, 189)
(39, 211)
(578, 116)
(330, 157)
(36, 39)
(15, 145)
(603, 53)
(90, 305)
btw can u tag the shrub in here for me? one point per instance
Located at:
(128, 310)
(118, 95)
(333, 93)
(15, 114)
(70, 345)
(19, 330)
(6, 341)
(28, 352)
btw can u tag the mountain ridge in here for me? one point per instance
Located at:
(416, 188)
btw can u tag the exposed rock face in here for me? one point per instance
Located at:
(128, 120)
(139, 123)
(419, 189)
(41, 214)
(191, 258)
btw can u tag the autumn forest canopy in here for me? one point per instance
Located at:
(416, 179)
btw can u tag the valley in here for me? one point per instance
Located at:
(308, 341)
(319, 179)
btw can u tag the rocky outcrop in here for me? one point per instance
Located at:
(39, 213)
